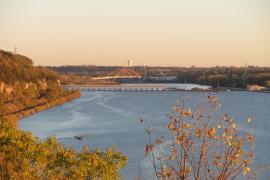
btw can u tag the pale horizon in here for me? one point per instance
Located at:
(153, 32)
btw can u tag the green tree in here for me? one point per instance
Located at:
(23, 157)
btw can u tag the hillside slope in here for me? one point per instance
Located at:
(26, 89)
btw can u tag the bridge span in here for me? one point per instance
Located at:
(115, 87)
(122, 73)
(115, 77)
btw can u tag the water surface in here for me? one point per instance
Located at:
(107, 118)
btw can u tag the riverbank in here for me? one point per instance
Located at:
(17, 112)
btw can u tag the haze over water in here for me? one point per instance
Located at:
(107, 118)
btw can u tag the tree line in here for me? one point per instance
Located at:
(214, 76)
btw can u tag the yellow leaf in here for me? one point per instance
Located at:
(247, 170)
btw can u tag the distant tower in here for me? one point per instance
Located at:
(129, 63)
(145, 71)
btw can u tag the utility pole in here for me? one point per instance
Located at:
(185, 87)
(88, 70)
(246, 71)
(233, 80)
(245, 75)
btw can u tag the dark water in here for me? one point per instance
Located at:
(107, 118)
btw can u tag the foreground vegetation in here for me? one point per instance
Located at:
(24, 90)
(23, 157)
(203, 145)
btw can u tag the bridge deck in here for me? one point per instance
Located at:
(115, 87)
(116, 77)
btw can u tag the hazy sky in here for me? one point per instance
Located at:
(151, 32)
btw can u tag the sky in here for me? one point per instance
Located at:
(151, 32)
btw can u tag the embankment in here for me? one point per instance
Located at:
(17, 112)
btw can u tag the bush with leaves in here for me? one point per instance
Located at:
(23, 157)
(203, 145)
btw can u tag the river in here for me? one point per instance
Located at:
(107, 118)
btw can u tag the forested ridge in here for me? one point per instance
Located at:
(24, 90)
(18, 68)
(23, 86)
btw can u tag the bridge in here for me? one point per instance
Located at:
(137, 87)
(122, 87)
(123, 73)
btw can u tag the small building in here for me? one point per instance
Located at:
(255, 88)
(161, 78)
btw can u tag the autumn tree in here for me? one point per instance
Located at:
(202, 145)
(23, 157)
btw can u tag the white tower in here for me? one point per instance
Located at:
(129, 63)
(145, 71)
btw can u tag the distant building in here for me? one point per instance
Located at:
(161, 78)
(255, 88)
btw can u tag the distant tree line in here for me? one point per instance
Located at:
(214, 76)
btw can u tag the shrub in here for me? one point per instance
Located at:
(23, 157)
(202, 146)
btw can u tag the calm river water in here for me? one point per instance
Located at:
(107, 118)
